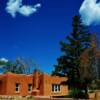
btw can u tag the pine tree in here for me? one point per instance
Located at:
(69, 63)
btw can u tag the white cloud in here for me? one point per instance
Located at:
(90, 12)
(15, 6)
(27, 10)
(4, 59)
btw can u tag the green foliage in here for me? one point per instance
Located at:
(73, 92)
(5, 63)
(20, 66)
(95, 85)
(77, 93)
(69, 64)
(77, 42)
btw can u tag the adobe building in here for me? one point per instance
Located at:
(38, 84)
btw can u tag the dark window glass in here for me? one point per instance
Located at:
(30, 87)
(17, 87)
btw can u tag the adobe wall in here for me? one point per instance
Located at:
(42, 84)
(3, 84)
(47, 85)
(23, 80)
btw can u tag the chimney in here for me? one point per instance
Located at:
(36, 79)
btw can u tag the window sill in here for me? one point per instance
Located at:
(29, 91)
(17, 92)
(56, 92)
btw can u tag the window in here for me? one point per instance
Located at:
(17, 87)
(55, 87)
(30, 87)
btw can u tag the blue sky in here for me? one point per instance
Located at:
(37, 36)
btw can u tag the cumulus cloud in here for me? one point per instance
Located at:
(16, 6)
(90, 12)
(4, 59)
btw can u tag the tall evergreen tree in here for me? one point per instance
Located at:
(69, 63)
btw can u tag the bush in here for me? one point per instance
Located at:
(77, 93)
(95, 85)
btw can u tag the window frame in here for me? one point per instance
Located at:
(17, 87)
(30, 87)
(56, 87)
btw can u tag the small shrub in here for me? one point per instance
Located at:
(77, 93)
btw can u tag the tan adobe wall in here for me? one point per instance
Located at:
(47, 84)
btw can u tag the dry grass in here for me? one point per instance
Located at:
(16, 98)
